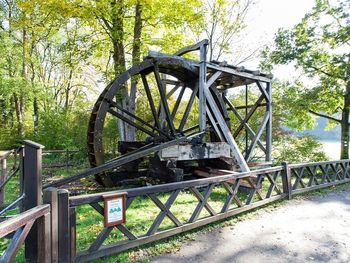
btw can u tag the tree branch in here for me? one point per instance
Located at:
(324, 116)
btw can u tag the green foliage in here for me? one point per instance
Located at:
(295, 149)
(63, 130)
(318, 46)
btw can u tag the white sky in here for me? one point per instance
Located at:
(265, 18)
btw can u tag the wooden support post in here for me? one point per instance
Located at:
(50, 197)
(287, 189)
(44, 239)
(67, 159)
(268, 157)
(32, 185)
(226, 131)
(3, 176)
(73, 234)
(202, 84)
(63, 226)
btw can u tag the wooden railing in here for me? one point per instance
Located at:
(32, 225)
(311, 176)
(7, 173)
(234, 194)
(21, 225)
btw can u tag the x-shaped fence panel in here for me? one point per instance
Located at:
(212, 199)
(305, 177)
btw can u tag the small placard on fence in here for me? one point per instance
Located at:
(114, 209)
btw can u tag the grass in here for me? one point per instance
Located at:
(143, 211)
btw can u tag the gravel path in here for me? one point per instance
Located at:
(316, 229)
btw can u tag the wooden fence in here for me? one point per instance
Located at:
(55, 224)
(6, 173)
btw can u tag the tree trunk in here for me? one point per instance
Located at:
(117, 35)
(136, 56)
(344, 151)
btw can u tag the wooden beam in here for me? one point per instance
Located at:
(226, 131)
(257, 136)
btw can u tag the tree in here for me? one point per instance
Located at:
(225, 21)
(132, 26)
(319, 46)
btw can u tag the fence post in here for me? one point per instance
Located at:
(50, 197)
(286, 180)
(64, 246)
(67, 159)
(3, 176)
(32, 185)
(44, 239)
(73, 234)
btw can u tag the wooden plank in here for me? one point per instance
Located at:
(116, 162)
(191, 48)
(214, 125)
(44, 239)
(50, 197)
(100, 238)
(185, 152)
(188, 107)
(320, 186)
(268, 156)
(249, 115)
(286, 180)
(202, 84)
(12, 224)
(150, 100)
(163, 99)
(32, 173)
(130, 122)
(226, 132)
(63, 227)
(178, 101)
(257, 136)
(203, 202)
(164, 211)
(73, 233)
(3, 176)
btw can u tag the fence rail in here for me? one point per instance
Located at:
(21, 226)
(7, 173)
(311, 176)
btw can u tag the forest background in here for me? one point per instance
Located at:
(57, 56)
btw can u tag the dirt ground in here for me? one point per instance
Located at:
(314, 229)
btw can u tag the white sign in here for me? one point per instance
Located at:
(115, 210)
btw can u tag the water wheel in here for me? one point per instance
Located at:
(165, 82)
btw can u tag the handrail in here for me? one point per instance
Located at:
(132, 192)
(7, 154)
(298, 165)
(22, 219)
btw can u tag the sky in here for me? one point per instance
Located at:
(263, 21)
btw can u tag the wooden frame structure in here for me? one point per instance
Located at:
(205, 81)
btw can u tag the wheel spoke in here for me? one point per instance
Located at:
(137, 126)
(164, 99)
(188, 108)
(150, 100)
